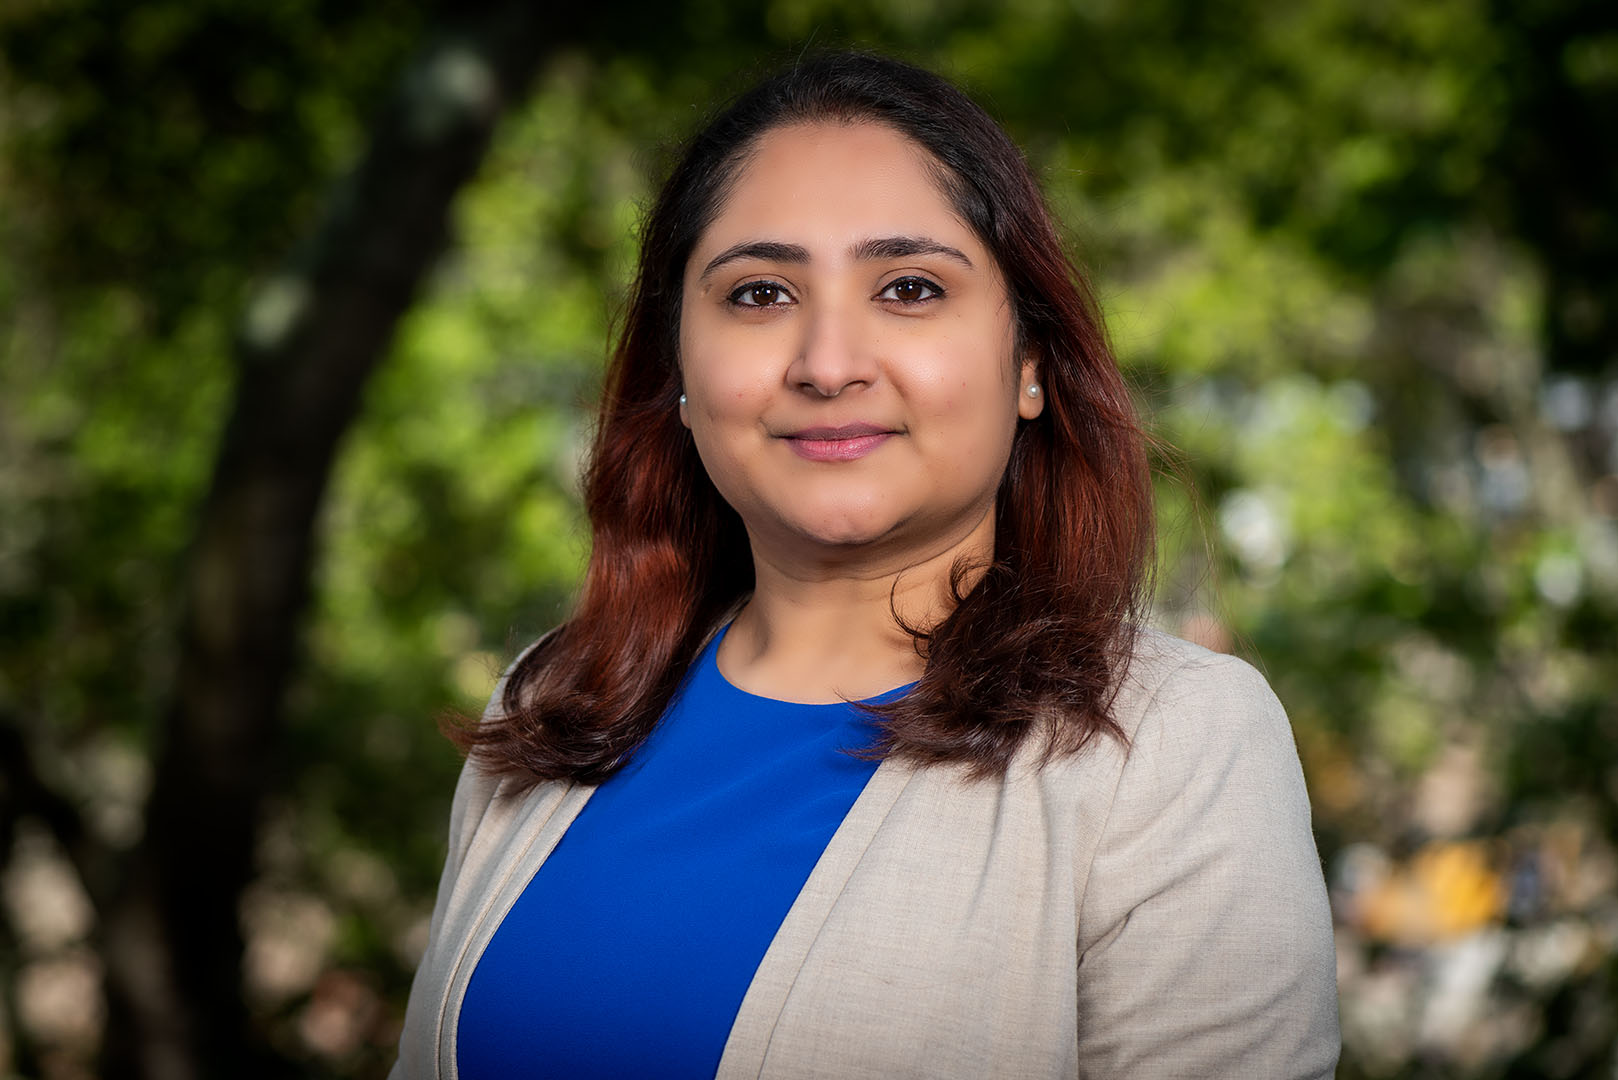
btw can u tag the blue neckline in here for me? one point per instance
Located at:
(708, 663)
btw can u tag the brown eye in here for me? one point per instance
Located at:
(759, 294)
(911, 290)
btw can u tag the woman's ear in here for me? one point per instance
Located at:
(1030, 394)
(685, 416)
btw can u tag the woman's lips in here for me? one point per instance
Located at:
(847, 443)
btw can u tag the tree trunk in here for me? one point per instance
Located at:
(173, 944)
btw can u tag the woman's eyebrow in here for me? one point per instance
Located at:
(771, 250)
(880, 247)
(900, 247)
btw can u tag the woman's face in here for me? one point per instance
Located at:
(846, 348)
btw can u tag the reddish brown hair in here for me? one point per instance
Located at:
(1037, 643)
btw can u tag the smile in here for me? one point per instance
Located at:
(847, 443)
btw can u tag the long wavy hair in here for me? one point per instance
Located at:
(1037, 641)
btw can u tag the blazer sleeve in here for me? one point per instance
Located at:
(1205, 938)
(474, 792)
(418, 1040)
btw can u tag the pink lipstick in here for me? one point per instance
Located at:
(847, 443)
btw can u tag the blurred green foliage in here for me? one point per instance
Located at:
(1358, 258)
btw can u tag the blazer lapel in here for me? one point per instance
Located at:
(543, 815)
(766, 996)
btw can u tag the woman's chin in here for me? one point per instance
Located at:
(850, 536)
(838, 530)
(847, 534)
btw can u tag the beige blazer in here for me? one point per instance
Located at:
(1158, 912)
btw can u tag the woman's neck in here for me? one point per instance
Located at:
(824, 630)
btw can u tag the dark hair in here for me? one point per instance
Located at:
(1036, 646)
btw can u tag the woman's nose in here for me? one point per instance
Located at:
(833, 355)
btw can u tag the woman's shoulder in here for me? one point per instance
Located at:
(1171, 683)
(481, 780)
(1189, 717)
(1186, 716)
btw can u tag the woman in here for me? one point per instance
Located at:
(853, 760)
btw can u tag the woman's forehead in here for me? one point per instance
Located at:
(829, 186)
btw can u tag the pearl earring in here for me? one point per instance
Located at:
(682, 399)
(1033, 389)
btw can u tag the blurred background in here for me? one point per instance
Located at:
(302, 307)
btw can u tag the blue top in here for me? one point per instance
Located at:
(630, 950)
